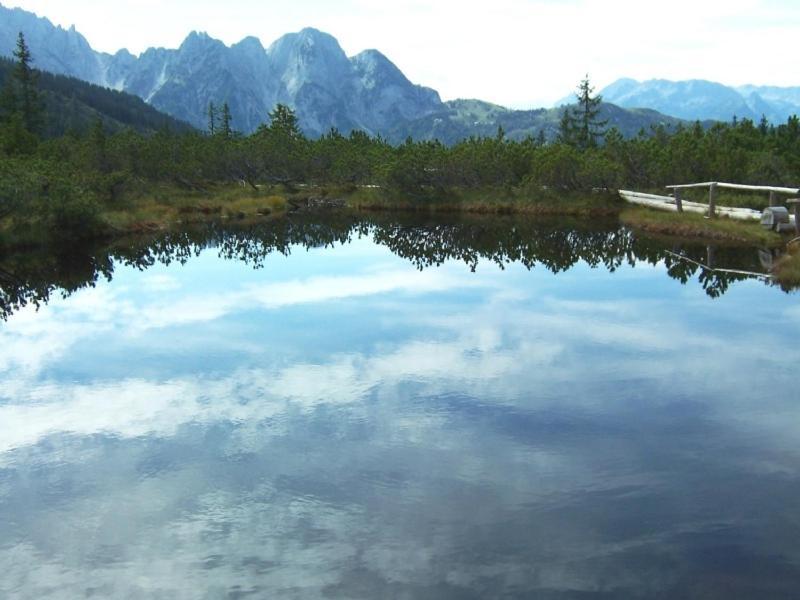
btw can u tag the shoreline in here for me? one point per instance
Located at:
(167, 209)
(171, 209)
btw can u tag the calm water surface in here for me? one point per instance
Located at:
(383, 409)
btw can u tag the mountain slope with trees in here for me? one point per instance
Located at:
(461, 119)
(72, 105)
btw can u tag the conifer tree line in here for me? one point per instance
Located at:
(20, 104)
(98, 167)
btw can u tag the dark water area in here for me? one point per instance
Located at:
(350, 406)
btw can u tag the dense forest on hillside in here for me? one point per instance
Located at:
(66, 182)
(461, 119)
(72, 106)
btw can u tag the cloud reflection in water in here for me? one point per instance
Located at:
(422, 434)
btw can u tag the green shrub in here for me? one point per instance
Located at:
(70, 211)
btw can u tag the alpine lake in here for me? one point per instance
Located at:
(347, 405)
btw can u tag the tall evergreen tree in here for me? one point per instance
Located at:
(284, 120)
(566, 127)
(24, 94)
(213, 116)
(589, 126)
(581, 126)
(763, 125)
(225, 123)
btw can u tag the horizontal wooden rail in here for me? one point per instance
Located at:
(766, 276)
(737, 186)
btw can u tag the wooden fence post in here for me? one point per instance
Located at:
(773, 199)
(794, 203)
(712, 201)
(678, 201)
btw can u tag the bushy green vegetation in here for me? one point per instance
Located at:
(740, 152)
(80, 184)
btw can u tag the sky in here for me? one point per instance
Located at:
(518, 53)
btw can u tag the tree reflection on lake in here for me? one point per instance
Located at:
(557, 245)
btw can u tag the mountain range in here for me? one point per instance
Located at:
(307, 70)
(698, 99)
(310, 72)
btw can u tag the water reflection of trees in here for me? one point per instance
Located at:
(505, 240)
(32, 277)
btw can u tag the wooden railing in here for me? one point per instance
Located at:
(713, 186)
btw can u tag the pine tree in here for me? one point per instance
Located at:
(590, 128)
(225, 123)
(213, 115)
(283, 119)
(281, 147)
(763, 125)
(566, 128)
(23, 96)
(581, 126)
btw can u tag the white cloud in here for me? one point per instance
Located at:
(524, 354)
(197, 308)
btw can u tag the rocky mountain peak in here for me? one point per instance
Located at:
(309, 56)
(307, 45)
(199, 41)
(250, 44)
(375, 69)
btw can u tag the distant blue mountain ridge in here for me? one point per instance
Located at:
(698, 99)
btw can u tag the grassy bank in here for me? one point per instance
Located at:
(696, 227)
(488, 201)
(156, 208)
(165, 207)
